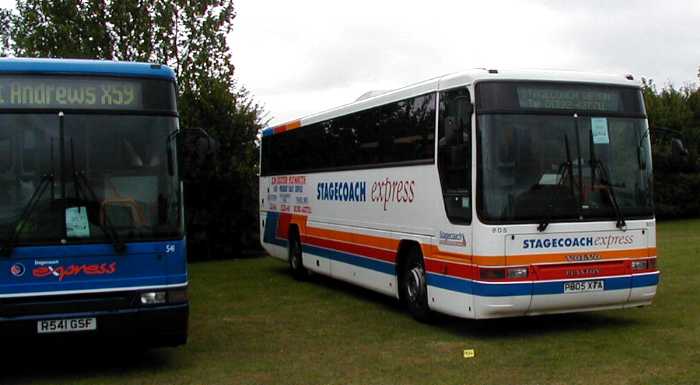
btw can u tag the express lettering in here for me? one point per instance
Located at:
(614, 240)
(73, 270)
(387, 191)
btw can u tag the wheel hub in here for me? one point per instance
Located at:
(414, 285)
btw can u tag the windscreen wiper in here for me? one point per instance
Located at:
(542, 226)
(81, 183)
(564, 167)
(16, 229)
(605, 178)
(108, 228)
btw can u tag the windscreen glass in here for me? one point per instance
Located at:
(104, 172)
(561, 165)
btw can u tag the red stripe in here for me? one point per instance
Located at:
(365, 251)
(451, 269)
(283, 225)
(582, 270)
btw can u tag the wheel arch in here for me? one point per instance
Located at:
(292, 231)
(402, 253)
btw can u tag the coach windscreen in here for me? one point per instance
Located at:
(561, 151)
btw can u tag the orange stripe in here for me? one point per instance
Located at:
(361, 239)
(432, 251)
(292, 125)
(287, 126)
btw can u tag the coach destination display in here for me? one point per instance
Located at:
(85, 93)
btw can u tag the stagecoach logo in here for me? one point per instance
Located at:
(452, 239)
(606, 241)
(17, 269)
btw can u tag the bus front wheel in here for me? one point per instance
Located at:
(296, 265)
(414, 287)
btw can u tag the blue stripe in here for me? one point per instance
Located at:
(502, 290)
(367, 263)
(268, 131)
(645, 280)
(537, 288)
(449, 283)
(85, 67)
(270, 235)
(479, 288)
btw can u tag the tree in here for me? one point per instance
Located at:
(675, 185)
(190, 37)
(5, 30)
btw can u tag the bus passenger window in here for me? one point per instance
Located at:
(454, 154)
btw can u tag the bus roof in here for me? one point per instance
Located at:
(84, 67)
(454, 80)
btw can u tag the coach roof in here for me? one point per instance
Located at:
(84, 67)
(450, 81)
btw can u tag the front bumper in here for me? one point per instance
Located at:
(148, 326)
(538, 297)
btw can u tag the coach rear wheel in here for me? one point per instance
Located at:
(295, 262)
(414, 287)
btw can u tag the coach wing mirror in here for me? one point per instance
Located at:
(678, 152)
(195, 149)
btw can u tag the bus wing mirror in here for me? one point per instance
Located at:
(196, 148)
(678, 151)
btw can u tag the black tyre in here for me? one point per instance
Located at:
(414, 287)
(296, 266)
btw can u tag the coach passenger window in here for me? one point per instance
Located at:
(454, 154)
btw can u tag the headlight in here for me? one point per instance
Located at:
(517, 272)
(644, 264)
(153, 298)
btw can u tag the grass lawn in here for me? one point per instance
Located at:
(251, 323)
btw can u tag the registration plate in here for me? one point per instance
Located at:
(66, 325)
(584, 286)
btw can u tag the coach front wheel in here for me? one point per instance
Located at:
(299, 272)
(414, 287)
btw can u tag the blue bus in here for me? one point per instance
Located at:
(92, 238)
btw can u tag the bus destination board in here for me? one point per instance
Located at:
(70, 93)
(568, 98)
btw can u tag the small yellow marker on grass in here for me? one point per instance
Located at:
(469, 353)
